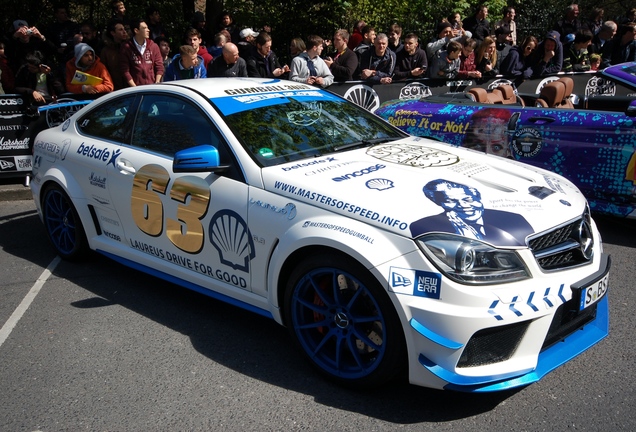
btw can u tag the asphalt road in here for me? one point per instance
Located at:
(104, 348)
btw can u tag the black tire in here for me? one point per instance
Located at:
(63, 225)
(344, 322)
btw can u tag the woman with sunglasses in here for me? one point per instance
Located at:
(517, 62)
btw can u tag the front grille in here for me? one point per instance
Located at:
(565, 246)
(567, 319)
(492, 345)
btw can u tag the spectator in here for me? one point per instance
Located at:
(140, 59)
(118, 10)
(444, 34)
(455, 20)
(308, 67)
(607, 32)
(116, 35)
(595, 21)
(378, 63)
(7, 77)
(595, 62)
(296, 46)
(86, 62)
(446, 62)
(220, 39)
(570, 23)
(575, 55)
(185, 65)
(629, 17)
(247, 42)
(263, 61)
(467, 65)
(36, 81)
(411, 62)
(90, 36)
(25, 40)
(356, 37)
(228, 64)
(368, 37)
(61, 33)
(486, 57)
(344, 63)
(517, 62)
(548, 57)
(622, 47)
(477, 24)
(193, 38)
(198, 22)
(395, 36)
(227, 23)
(508, 21)
(503, 38)
(153, 19)
(164, 48)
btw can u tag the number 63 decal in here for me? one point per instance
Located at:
(186, 231)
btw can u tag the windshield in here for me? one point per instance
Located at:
(280, 127)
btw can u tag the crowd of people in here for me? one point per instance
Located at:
(75, 58)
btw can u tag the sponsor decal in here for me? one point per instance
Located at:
(98, 181)
(379, 184)
(518, 306)
(289, 210)
(24, 163)
(231, 237)
(418, 283)
(99, 154)
(13, 127)
(527, 142)
(353, 233)
(52, 151)
(424, 122)
(540, 192)
(112, 236)
(565, 203)
(412, 155)
(459, 83)
(14, 144)
(597, 86)
(502, 81)
(326, 168)
(264, 89)
(341, 205)
(309, 164)
(7, 164)
(364, 171)
(189, 263)
(11, 102)
(415, 91)
(307, 116)
(545, 81)
(66, 124)
(108, 220)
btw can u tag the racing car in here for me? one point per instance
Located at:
(385, 255)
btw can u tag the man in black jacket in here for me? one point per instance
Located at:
(263, 62)
(411, 62)
(344, 62)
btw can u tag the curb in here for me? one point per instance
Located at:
(15, 192)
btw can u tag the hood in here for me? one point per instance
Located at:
(554, 35)
(417, 185)
(80, 50)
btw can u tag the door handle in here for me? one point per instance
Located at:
(541, 119)
(125, 167)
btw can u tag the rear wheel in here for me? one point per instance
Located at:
(63, 225)
(344, 322)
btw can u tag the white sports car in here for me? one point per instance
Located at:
(382, 253)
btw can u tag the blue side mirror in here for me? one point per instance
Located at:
(203, 158)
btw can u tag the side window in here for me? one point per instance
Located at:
(108, 120)
(167, 124)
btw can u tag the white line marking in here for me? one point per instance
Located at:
(8, 327)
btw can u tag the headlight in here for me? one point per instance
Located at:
(472, 262)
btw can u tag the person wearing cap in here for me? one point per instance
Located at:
(26, 40)
(87, 62)
(548, 57)
(508, 21)
(444, 34)
(246, 44)
(36, 81)
(503, 40)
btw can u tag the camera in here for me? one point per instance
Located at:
(29, 32)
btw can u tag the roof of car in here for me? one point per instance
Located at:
(220, 87)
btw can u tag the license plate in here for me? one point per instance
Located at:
(594, 292)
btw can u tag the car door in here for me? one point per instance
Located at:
(189, 225)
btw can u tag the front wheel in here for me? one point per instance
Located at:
(344, 322)
(63, 225)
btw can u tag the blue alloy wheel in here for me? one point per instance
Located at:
(345, 325)
(63, 225)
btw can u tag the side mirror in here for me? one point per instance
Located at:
(203, 158)
(631, 109)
